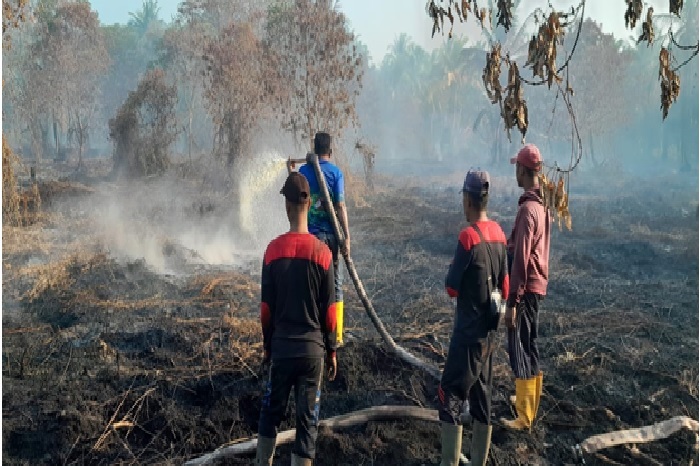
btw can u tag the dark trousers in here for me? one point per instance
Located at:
(467, 376)
(332, 242)
(304, 374)
(522, 340)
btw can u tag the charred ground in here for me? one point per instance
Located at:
(106, 361)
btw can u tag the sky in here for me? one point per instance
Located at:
(379, 22)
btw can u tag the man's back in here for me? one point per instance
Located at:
(468, 277)
(319, 216)
(529, 246)
(298, 297)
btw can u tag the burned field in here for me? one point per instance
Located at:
(108, 361)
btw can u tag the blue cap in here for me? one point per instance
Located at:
(476, 182)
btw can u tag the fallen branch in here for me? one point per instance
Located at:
(657, 431)
(376, 413)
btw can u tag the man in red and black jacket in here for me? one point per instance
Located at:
(528, 251)
(299, 327)
(478, 268)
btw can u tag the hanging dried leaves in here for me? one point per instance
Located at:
(492, 73)
(542, 51)
(481, 15)
(633, 13)
(513, 106)
(505, 14)
(676, 7)
(556, 199)
(670, 81)
(514, 111)
(648, 28)
(438, 13)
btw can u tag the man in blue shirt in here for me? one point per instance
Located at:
(319, 217)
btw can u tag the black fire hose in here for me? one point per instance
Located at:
(388, 340)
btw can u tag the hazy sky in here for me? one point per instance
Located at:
(379, 22)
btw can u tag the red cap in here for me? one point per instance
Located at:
(529, 156)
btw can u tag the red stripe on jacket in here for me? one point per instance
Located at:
(331, 318)
(299, 246)
(265, 315)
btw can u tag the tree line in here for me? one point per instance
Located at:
(210, 79)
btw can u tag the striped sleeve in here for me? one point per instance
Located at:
(267, 305)
(460, 262)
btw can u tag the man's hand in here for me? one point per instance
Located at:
(511, 316)
(332, 363)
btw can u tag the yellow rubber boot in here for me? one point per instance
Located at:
(525, 398)
(339, 322)
(538, 394)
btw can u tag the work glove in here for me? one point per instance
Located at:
(332, 365)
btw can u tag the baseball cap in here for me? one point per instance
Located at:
(296, 188)
(476, 182)
(529, 156)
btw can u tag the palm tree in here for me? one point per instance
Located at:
(142, 19)
(404, 67)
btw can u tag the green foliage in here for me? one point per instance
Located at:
(146, 17)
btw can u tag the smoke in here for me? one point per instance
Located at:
(174, 223)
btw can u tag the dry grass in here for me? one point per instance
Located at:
(689, 380)
(10, 190)
(54, 275)
(30, 240)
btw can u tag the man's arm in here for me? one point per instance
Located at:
(267, 307)
(462, 258)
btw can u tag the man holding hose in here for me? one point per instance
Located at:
(320, 224)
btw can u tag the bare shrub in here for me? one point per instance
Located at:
(320, 65)
(10, 195)
(240, 80)
(145, 127)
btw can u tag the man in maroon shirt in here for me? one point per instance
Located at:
(478, 268)
(528, 253)
(298, 317)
